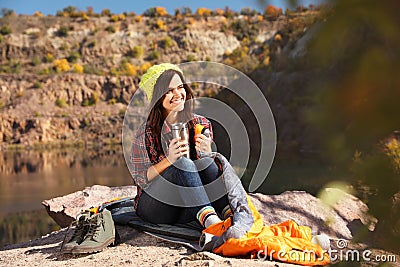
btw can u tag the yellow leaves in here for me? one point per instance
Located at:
(49, 58)
(161, 11)
(266, 61)
(160, 25)
(278, 38)
(116, 17)
(122, 16)
(61, 65)
(139, 18)
(145, 66)
(273, 11)
(85, 17)
(77, 68)
(130, 69)
(392, 149)
(219, 11)
(223, 20)
(260, 18)
(227, 53)
(202, 11)
(38, 14)
(236, 55)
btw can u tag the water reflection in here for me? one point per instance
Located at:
(29, 177)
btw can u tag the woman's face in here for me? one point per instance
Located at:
(175, 98)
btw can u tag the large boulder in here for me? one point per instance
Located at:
(64, 209)
(340, 219)
(337, 220)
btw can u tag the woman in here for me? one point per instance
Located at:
(157, 158)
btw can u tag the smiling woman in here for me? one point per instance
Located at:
(157, 157)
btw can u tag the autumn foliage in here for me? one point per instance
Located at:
(273, 11)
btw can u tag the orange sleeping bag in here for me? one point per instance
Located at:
(287, 242)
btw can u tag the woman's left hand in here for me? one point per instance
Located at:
(203, 143)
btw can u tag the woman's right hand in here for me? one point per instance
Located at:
(177, 148)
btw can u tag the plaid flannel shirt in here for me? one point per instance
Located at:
(144, 152)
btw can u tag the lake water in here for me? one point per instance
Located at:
(29, 177)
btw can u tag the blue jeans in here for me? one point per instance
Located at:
(182, 191)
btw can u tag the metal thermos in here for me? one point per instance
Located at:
(180, 129)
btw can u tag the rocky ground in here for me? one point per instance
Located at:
(140, 249)
(136, 249)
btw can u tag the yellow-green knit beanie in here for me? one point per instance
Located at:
(150, 78)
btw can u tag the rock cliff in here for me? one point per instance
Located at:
(67, 80)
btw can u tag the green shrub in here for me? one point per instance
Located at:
(85, 122)
(92, 44)
(124, 60)
(106, 12)
(37, 114)
(5, 12)
(5, 30)
(122, 112)
(70, 10)
(49, 58)
(94, 99)
(11, 67)
(85, 103)
(167, 42)
(247, 11)
(242, 30)
(73, 57)
(135, 52)
(110, 29)
(37, 85)
(154, 55)
(61, 103)
(36, 61)
(63, 31)
(138, 102)
(112, 101)
(150, 12)
(45, 71)
(2, 104)
(186, 11)
(64, 47)
(91, 69)
(191, 57)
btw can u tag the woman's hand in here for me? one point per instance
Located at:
(203, 143)
(177, 148)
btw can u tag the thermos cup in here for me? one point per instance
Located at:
(180, 129)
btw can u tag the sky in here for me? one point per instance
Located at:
(47, 7)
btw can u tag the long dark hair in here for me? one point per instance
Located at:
(157, 114)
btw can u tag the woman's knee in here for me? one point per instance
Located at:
(208, 170)
(185, 164)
